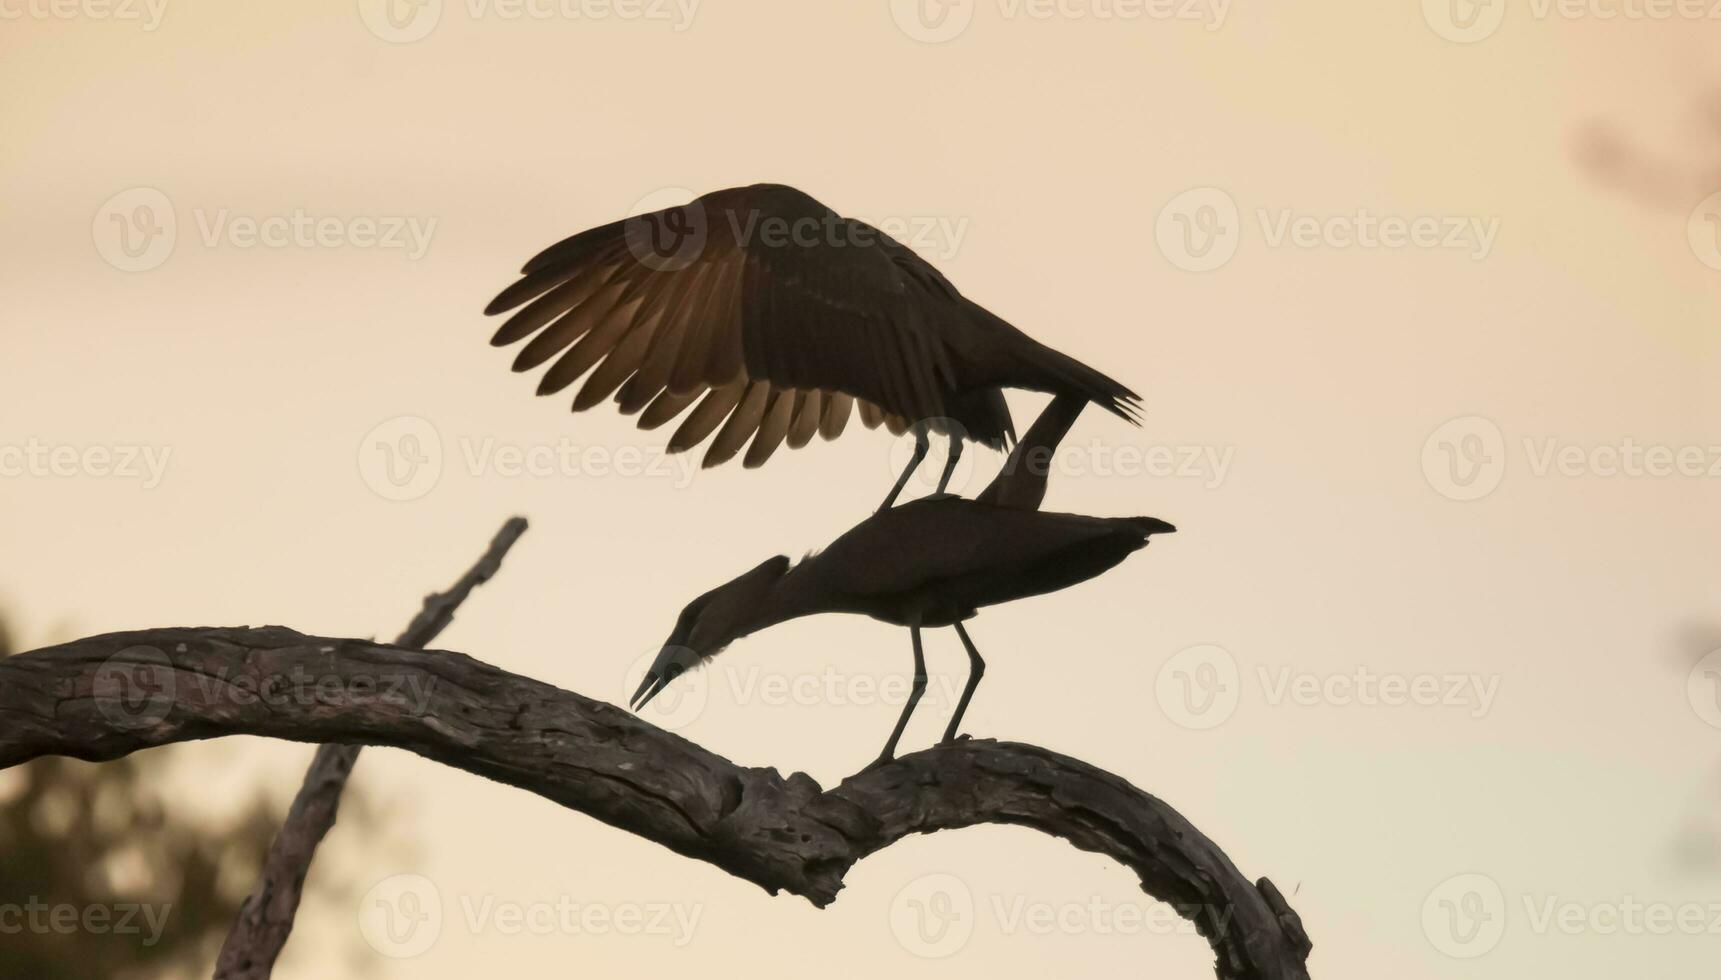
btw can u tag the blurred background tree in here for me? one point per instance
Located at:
(1668, 176)
(107, 836)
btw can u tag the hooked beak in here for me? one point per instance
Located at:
(669, 665)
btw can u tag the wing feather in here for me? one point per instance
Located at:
(772, 428)
(591, 349)
(571, 327)
(709, 414)
(741, 425)
(836, 414)
(665, 407)
(766, 336)
(620, 363)
(808, 407)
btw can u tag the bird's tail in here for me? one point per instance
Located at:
(1071, 375)
(1134, 532)
(1149, 526)
(1016, 360)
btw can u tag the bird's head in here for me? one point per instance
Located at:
(710, 623)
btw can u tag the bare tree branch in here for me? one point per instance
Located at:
(265, 920)
(104, 697)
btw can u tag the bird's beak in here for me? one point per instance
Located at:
(648, 688)
(671, 662)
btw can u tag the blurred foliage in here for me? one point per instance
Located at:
(1671, 175)
(100, 878)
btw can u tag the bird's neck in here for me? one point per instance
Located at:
(790, 597)
(1021, 484)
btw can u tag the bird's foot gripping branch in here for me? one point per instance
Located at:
(107, 696)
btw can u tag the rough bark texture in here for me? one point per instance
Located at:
(106, 696)
(265, 920)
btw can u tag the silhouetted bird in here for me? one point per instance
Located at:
(775, 314)
(928, 563)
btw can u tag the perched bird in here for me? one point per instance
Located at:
(928, 563)
(769, 316)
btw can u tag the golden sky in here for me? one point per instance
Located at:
(1417, 390)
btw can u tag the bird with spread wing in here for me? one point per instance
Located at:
(760, 315)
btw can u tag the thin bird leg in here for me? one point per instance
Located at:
(921, 445)
(919, 688)
(976, 670)
(950, 463)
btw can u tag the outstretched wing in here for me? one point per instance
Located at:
(757, 311)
